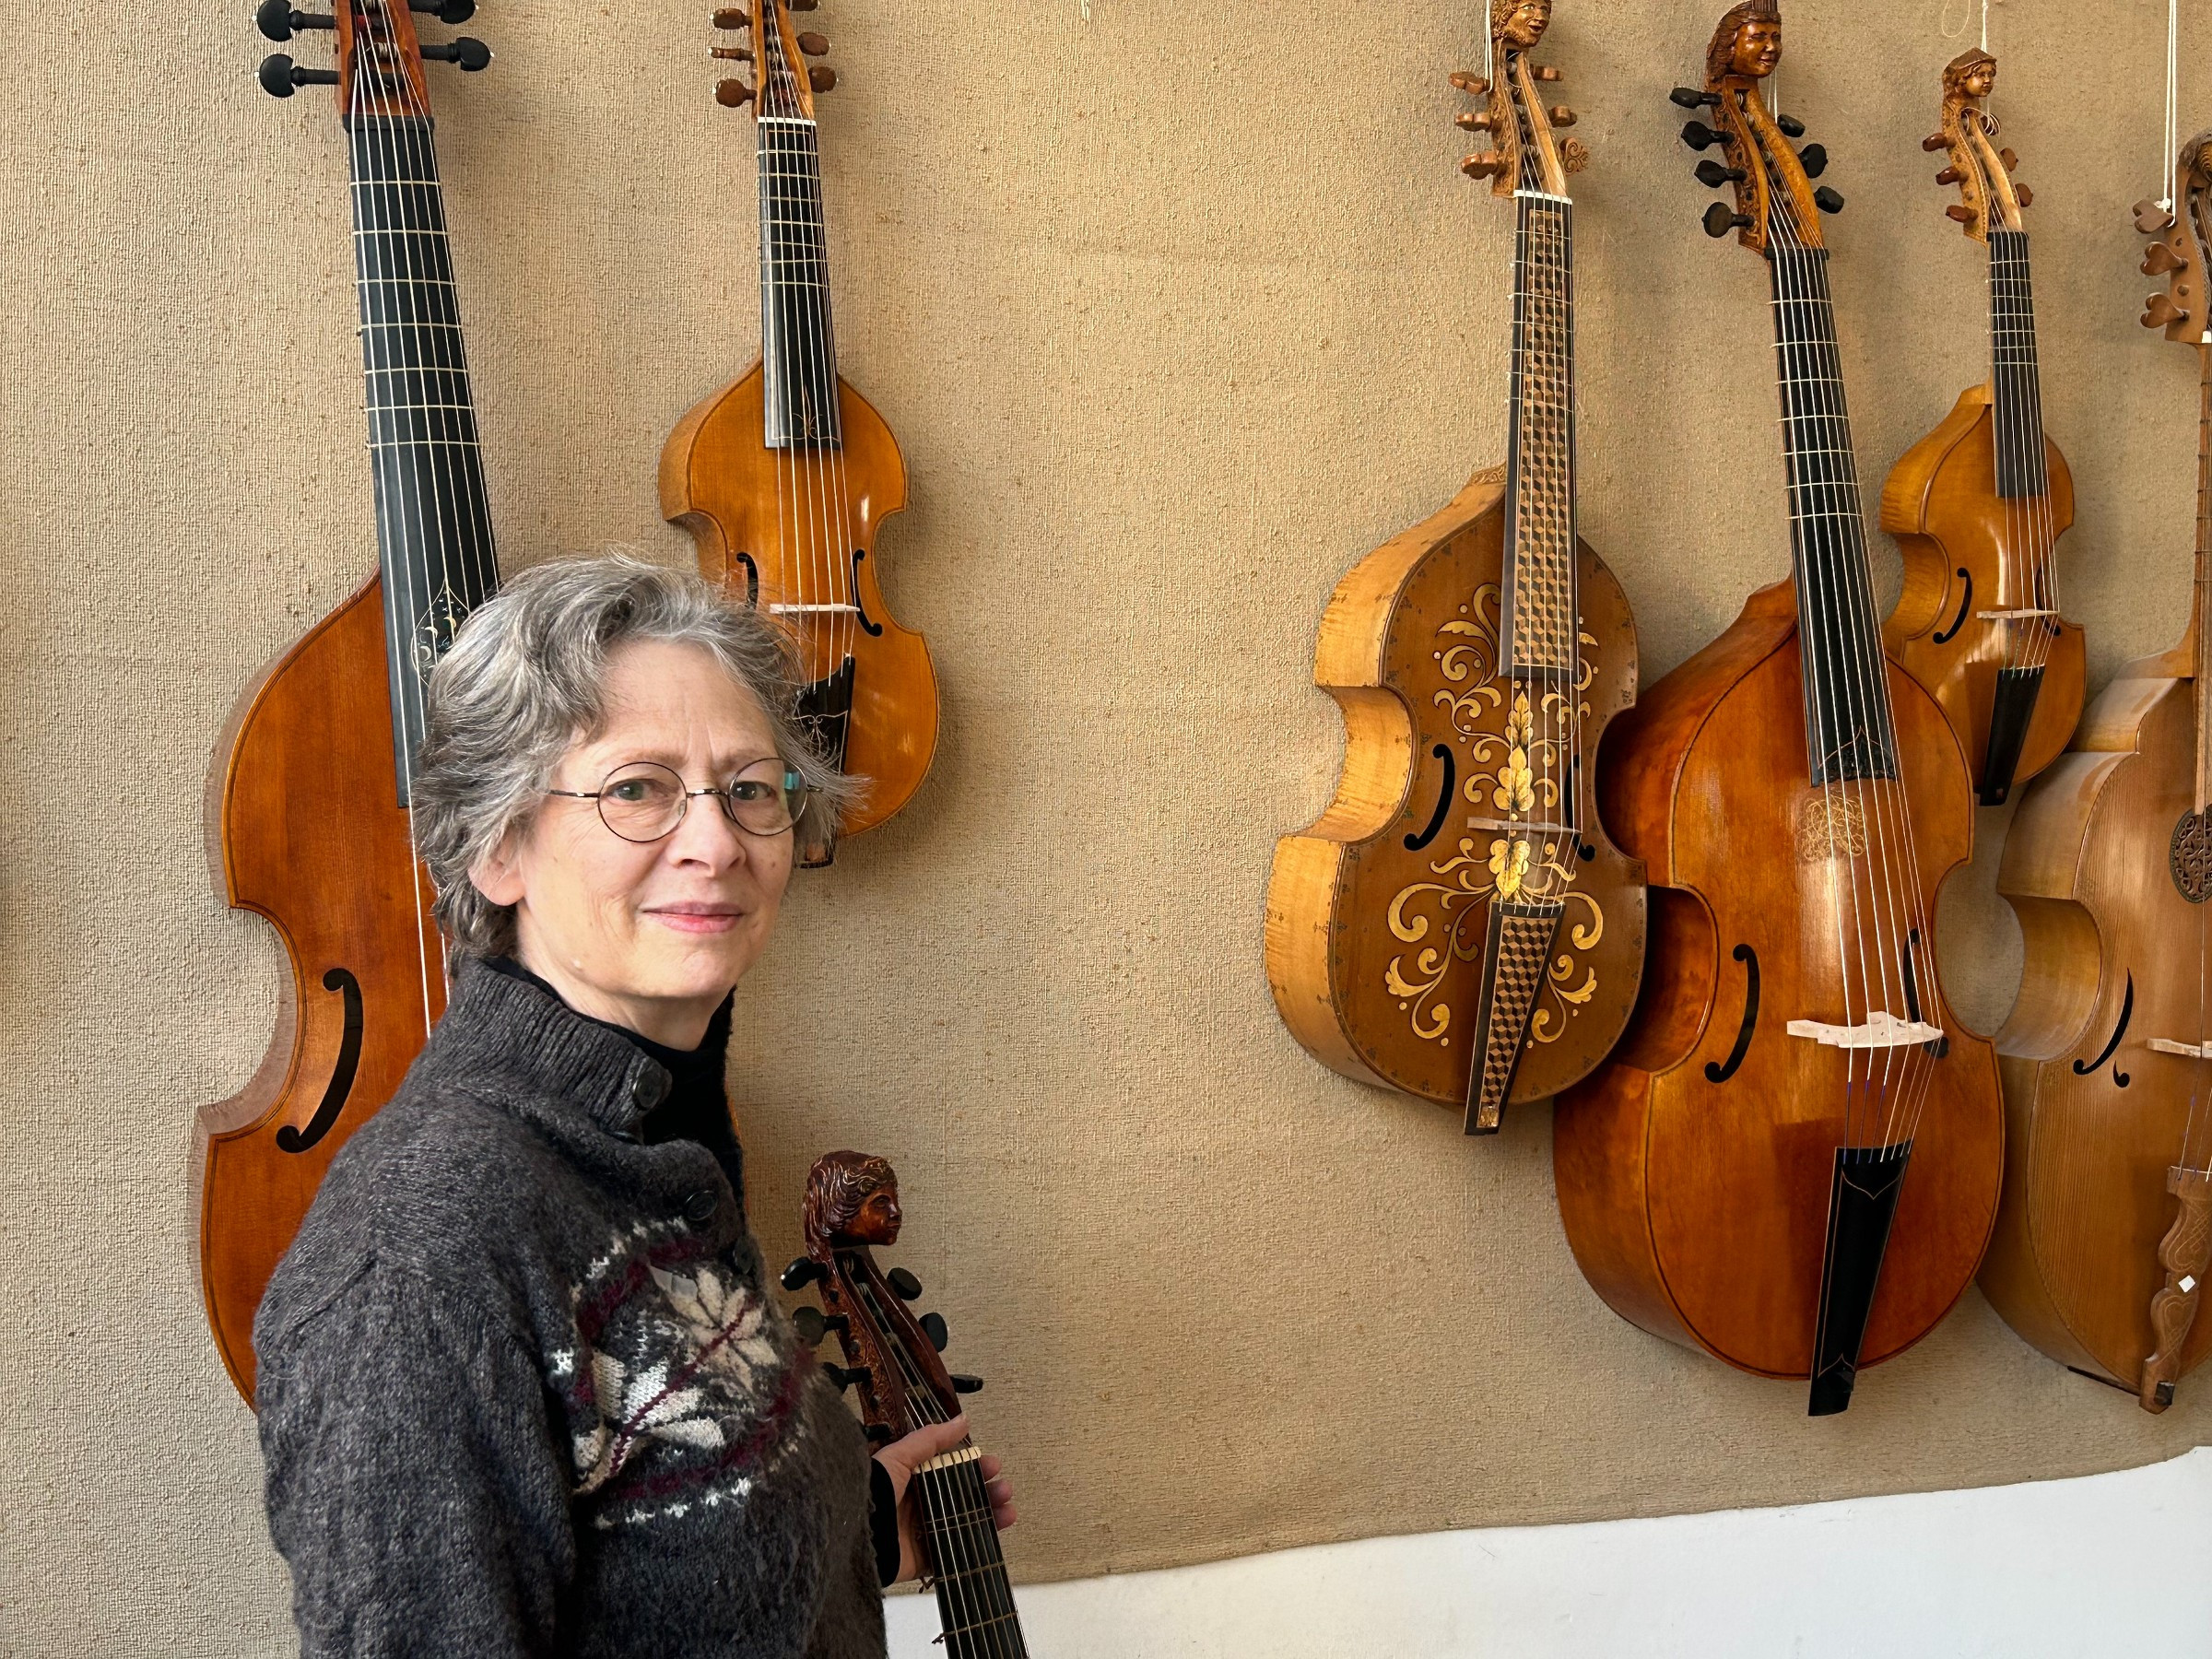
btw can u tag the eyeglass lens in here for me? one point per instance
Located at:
(644, 800)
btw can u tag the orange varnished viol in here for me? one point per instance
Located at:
(1978, 505)
(1791, 1161)
(309, 790)
(1458, 924)
(2105, 1234)
(784, 478)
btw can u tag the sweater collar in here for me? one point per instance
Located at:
(496, 1021)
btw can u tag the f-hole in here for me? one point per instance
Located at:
(2127, 1012)
(752, 579)
(1965, 603)
(341, 1078)
(872, 629)
(1726, 1069)
(1938, 1046)
(1414, 844)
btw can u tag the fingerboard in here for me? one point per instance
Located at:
(975, 1599)
(798, 345)
(1849, 729)
(2015, 385)
(433, 526)
(1540, 603)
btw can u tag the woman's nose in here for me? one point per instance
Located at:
(706, 834)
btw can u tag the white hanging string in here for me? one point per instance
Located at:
(2167, 176)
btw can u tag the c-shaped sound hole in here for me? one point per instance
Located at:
(1726, 1069)
(2127, 1012)
(340, 1086)
(1414, 844)
(1965, 603)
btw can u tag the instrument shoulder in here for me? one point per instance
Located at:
(680, 454)
(1355, 626)
(1904, 504)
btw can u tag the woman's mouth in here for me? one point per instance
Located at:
(697, 918)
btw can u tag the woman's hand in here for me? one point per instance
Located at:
(902, 1457)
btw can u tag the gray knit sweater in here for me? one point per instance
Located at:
(522, 1390)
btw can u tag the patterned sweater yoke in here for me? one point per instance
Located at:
(522, 1390)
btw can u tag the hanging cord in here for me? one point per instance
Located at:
(2167, 176)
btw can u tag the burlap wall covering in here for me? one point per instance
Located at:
(1178, 312)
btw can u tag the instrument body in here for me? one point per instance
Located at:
(1792, 1159)
(1458, 924)
(1978, 505)
(1694, 1167)
(307, 820)
(783, 477)
(2105, 1233)
(850, 1208)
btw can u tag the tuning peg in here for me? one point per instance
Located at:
(1721, 218)
(820, 78)
(730, 94)
(1698, 135)
(1828, 199)
(804, 1270)
(2152, 216)
(1472, 121)
(735, 54)
(1474, 85)
(965, 1384)
(844, 1376)
(801, 4)
(813, 1324)
(733, 17)
(904, 1285)
(2009, 159)
(2159, 260)
(1934, 142)
(1813, 158)
(281, 78)
(278, 21)
(813, 44)
(1482, 166)
(1545, 72)
(1689, 98)
(1791, 126)
(1562, 116)
(933, 1327)
(445, 11)
(1712, 175)
(1949, 175)
(1961, 212)
(2027, 196)
(468, 52)
(2162, 310)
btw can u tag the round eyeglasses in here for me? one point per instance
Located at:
(645, 801)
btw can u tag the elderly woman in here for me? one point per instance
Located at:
(522, 1389)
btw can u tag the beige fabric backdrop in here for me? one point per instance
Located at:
(1178, 310)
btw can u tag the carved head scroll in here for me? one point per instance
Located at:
(1745, 42)
(851, 1198)
(1526, 156)
(1988, 199)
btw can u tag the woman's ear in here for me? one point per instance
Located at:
(498, 874)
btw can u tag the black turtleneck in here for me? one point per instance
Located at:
(698, 1107)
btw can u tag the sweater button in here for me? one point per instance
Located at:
(645, 1093)
(701, 1205)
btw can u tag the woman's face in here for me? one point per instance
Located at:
(649, 935)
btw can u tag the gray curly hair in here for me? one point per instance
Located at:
(525, 679)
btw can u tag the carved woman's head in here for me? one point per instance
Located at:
(1746, 43)
(851, 1198)
(1970, 75)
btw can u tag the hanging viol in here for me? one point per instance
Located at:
(784, 478)
(2105, 1234)
(1457, 924)
(1791, 1161)
(310, 787)
(851, 1210)
(1978, 505)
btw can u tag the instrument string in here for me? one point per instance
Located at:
(844, 580)
(1892, 913)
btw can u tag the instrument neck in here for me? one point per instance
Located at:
(1540, 618)
(798, 346)
(2199, 634)
(2017, 393)
(1849, 729)
(975, 1598)
(433, 524)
